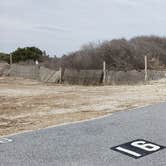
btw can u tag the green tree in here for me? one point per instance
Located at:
(27, 53)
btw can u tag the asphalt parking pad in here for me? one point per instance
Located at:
(89, 143)
(138, 148)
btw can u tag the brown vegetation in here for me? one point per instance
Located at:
(30, 105)
(119, 54)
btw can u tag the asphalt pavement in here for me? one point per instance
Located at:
(89, 143)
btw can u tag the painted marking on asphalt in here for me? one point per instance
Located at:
(5, 140)
(128, 151)
(138, 148)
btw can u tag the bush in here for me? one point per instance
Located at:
(27, 53)
(119, 54)
(4, 57)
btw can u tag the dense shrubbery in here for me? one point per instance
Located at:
(27, 53)
(23, 54)
(119, 54)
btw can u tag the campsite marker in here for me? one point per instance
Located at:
(138, 148)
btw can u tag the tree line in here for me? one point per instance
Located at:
(119, 54)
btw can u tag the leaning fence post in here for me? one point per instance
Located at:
(146, 69)
(104, 72)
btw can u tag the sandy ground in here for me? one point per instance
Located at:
(30, 105)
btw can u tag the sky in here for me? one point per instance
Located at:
(62, 26)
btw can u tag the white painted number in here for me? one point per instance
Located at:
(128, 151)
(145, 146)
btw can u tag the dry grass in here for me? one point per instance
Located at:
(30, 105)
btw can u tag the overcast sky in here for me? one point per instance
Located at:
(62, 26)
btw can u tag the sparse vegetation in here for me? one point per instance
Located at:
(30, 105)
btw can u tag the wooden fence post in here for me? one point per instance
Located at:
(146, 69)
(104, 72)
(60, 70)
(11, 59)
